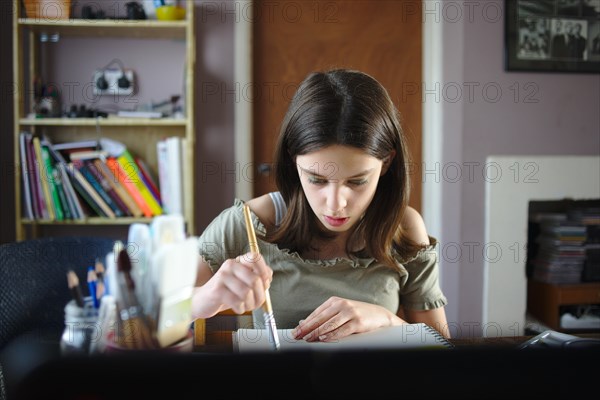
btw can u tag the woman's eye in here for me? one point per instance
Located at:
(316, 181)
(358, 182)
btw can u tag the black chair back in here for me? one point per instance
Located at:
(33, 283)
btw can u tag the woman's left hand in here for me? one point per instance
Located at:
(337, 318)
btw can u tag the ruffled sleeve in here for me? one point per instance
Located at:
(225, 237)
(421, 290)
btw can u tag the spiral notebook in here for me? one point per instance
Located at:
(408, 336)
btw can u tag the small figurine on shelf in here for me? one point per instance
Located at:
(47, 102)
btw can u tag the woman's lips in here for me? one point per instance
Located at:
(335, 221)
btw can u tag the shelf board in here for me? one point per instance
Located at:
(104, 121)
(90, 221)
(115, 28)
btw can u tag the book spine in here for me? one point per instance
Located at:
(118, 172)
(91, 191)
(163, 174)
(91, 166)
(62, 196)
(33, 180)
(97, 186)
(72, 198)
(55, 198)
(175, 174)
(37, 183)
(88, 198)
(58, 158)
(25, 177)
(43, 177)
(133, 175)
(112, 180)
(148, 179)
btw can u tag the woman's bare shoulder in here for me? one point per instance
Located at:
(414, 226)
(264, 209)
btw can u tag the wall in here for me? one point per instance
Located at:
(535, 114)
(215, 102)
(506, 224)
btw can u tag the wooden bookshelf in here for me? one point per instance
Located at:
(139, 135)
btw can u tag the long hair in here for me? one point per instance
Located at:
(350, 108)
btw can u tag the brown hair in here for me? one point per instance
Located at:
(350, 108)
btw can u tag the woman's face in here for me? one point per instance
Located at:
(339, 183)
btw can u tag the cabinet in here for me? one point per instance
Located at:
(544, 300)
(31, 52)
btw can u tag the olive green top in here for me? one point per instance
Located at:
(300, 285)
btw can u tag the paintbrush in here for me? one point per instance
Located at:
(135, 324)
(99, 268)
(73, 282)
(267, 308)
(92, 281)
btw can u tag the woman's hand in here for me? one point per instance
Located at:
(337, 318)
(238, 284)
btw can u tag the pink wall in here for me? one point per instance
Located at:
(536, 114)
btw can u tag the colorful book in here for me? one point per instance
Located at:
(148, 179)
(131, 188)
(60, 165)
(112, 180)
(90, 166)
(43, 178)
(72, 199)
(88, 200)
(133, 175)
(62, 195)
(39, 206)
(49, 175)
(82, 167)
(26, 177)
(91, 192)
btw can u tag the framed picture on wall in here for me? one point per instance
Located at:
(552, 35)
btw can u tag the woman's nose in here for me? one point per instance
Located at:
(336, 199)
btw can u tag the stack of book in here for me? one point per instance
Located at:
(76, 180)
(561, 251)
(590, 217)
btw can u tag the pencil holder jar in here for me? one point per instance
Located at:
(81, 327)
(185, 345)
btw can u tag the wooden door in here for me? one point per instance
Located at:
(293, 38)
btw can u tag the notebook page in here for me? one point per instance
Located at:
(393, 337)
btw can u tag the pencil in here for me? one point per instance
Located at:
(73, 282)
(267, 308)
(92, 285)
(99, 268)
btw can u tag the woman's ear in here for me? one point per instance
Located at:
(387, 162)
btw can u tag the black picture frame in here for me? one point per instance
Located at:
(537, 39)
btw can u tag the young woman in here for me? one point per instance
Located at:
(341, 252)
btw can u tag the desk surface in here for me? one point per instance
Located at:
(481, 368)
(472, 372)
(221, 341)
